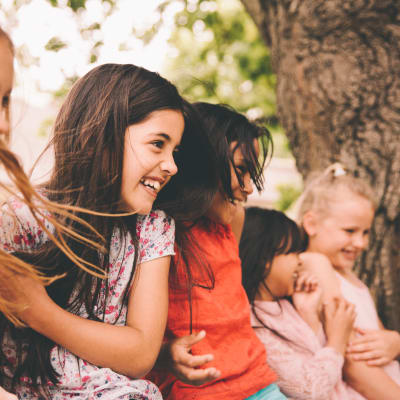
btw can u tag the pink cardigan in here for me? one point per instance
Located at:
(306, 369)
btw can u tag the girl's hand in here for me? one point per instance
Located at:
(185, 366)
(307, 293)
(376, 347)
(6, 395)
(338, 320)
(307, 299)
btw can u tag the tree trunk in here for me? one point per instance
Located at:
(338, 91)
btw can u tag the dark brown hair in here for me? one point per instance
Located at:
(88, 145)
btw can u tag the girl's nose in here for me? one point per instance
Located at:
(247, 184)
(169, 166)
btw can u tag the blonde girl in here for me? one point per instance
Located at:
(336, 211)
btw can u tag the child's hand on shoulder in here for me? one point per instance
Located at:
(307, 292)
(186, 366)
(338, 320)
(376, 347)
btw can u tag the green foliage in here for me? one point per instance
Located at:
(61, 93)
(288, 194)
(45, 127)
(220, 57)
(55, 44)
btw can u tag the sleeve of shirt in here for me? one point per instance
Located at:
(156, 236)
(19, 231)
(300, 375)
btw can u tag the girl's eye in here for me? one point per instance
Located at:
(241, 169)
(5, 101)
(158, 143)
(366, 233)
(350, 230)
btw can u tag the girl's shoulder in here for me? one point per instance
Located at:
(19, 229)
(157, 222)
(156, 235)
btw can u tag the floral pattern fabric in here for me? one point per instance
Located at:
(80, 380)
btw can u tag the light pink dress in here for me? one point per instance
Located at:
(306, 369)
(367, 317)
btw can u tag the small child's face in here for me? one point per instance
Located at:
(6, 83)
(223, 210)
(342, 234)
(283, 274)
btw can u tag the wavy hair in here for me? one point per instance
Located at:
(88, 144)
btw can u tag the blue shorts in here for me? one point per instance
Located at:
(271, 392)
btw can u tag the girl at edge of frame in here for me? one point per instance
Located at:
(210, 349)
(285, 298)
(12, 267)
(336, 211)
(116, 141)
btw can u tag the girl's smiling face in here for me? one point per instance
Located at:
(148, 162)
(223, 210)
(6, 83)
(341, 234)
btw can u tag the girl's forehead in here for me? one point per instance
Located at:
(354, 208)
(236, 147)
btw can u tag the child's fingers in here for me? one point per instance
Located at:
(192, 361)
(198, 377)
(378, 362)
(192, 339)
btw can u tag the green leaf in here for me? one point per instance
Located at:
(55, 44)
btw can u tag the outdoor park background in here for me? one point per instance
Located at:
(322, 74)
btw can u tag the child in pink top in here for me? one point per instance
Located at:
(336, 211)
(285, 299)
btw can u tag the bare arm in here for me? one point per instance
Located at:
(371, 382)
(320, 266)
(130, 350)
(7, 396)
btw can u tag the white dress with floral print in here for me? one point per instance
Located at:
(80, 380)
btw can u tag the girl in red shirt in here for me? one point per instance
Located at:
(209, 341)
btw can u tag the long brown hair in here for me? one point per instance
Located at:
(88, 143)
(41, 209)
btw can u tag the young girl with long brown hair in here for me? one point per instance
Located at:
(116, 141)
(12, 269)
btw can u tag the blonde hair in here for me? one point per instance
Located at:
(324, 188)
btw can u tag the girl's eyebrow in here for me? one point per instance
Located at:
(163, 135)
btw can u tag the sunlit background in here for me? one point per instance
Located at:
(210, 49)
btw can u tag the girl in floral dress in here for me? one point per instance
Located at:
(12, 267)
(115, 145)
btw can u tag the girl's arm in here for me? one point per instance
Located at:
(320, 266)
(300, 375)
(376, 347)
(7, 396)
(371, 382)
(130, 350)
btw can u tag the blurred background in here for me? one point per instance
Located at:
(210, 49)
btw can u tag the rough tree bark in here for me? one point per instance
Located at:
(338, 93)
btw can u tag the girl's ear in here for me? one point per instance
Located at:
(310, 223)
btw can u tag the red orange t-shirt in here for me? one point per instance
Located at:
(224, 313)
